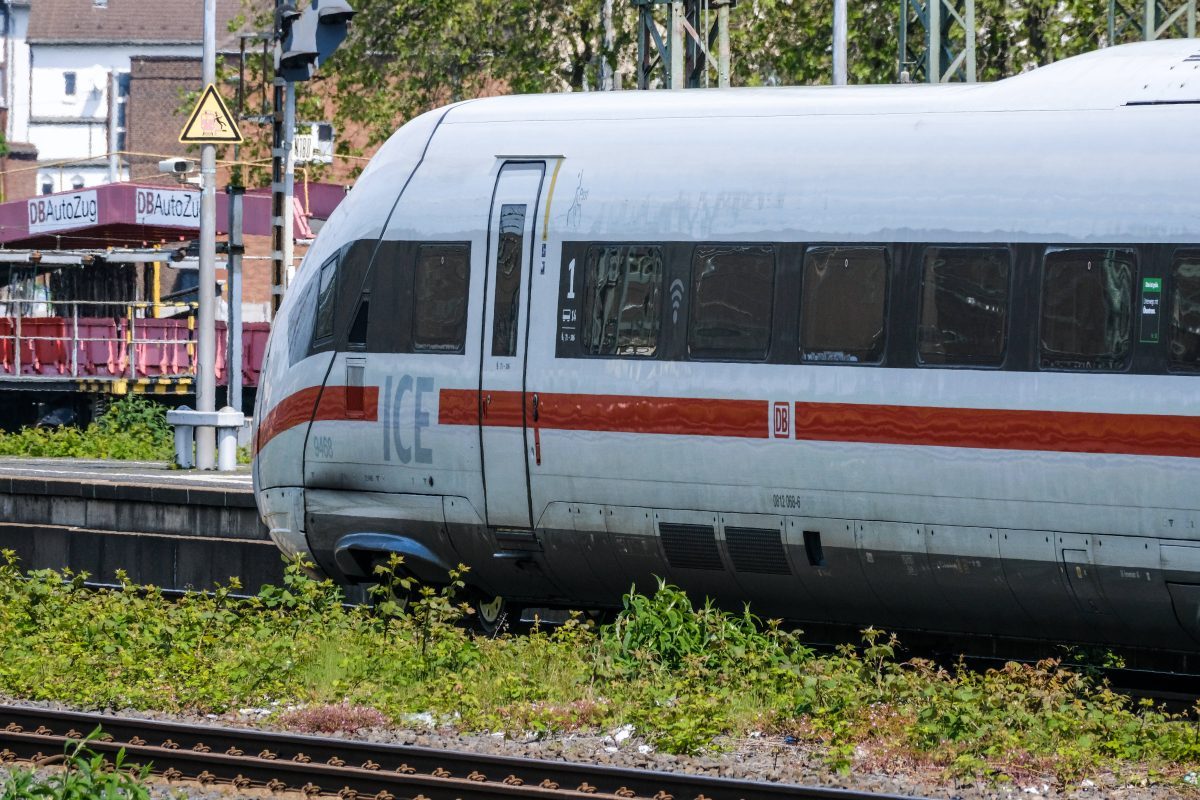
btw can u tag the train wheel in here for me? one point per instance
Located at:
(493, 614)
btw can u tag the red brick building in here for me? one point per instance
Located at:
(155, 112)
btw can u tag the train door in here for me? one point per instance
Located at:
(502, 432)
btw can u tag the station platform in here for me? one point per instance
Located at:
(123, 473)
(171, 528)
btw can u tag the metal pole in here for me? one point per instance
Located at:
(278, 273)
(934, 56)
(1112, 23)
(206, 351)
(75, 343)
(839, 42)
(677, 51)
(723, 46)
(1150, 24)
(233, 363)
(289, 180)
(114, 160)
(970, 32)
(643, 47)
(606, 25)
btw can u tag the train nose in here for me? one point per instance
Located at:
(282, 511)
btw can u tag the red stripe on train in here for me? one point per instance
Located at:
(985, 429)
(610, 413)
(1000, 429)
(354, 403)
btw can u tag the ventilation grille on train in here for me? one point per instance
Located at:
(1193, 57)
(757, 550)
(691, 546)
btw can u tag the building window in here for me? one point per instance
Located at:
(732, 289)
(69, 84)
(843, 301)
(47, 185)
(1087, 309)
(122, 109)
(77, 182)
(964, 305)
(622, 300)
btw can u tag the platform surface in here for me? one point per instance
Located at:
(127, 473)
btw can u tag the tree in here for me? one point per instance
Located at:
(403, 57)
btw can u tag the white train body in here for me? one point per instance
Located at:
(611, 428)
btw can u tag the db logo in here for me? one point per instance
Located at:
(781, 421)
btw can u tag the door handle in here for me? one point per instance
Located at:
(487, 401)
(535, 408)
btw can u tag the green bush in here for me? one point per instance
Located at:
(685, 676)
(133, 428)
(79, 775)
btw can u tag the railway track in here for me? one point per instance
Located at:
(318, 766)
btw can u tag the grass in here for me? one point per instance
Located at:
(689, 677)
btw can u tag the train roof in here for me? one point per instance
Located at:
(1144, 73)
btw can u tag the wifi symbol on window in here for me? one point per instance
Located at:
(676, 298)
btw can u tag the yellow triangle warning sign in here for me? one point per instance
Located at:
(210, 122)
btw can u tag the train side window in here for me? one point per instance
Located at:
(302, 323)
(732, 288)
(442, 282)
(506, 311)
(1087, 308)
(843, 303)
(964, 305)
(622, 299)
(1184, 324)
(326, 299)
(357, 338)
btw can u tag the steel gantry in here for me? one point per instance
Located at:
(685, 56)
(937, 37)
(1133, 20)
(937, 41)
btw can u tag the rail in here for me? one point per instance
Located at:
(314, 765)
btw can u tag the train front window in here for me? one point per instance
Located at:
(622, 300)
(843, 302)
(326, 295)
(442, 281)
(1184, 321)
(508, 280)
(732, 287)
(964, 305)
(1087, 308)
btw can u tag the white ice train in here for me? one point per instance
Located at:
(926, 357)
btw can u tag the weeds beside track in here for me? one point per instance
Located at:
(320, 766)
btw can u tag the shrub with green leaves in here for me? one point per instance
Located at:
(132, 428)
(79, 775)
(685, 676)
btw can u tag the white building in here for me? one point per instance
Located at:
(78, 78)
(15, 67)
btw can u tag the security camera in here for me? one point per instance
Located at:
(176, 166)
